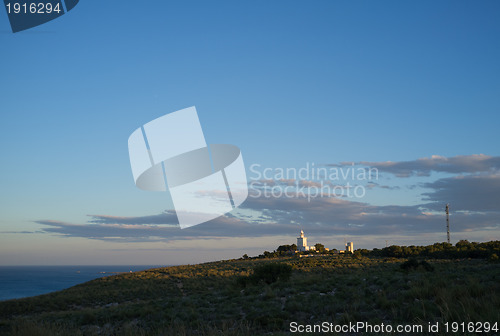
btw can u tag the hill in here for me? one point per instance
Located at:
(238, 297)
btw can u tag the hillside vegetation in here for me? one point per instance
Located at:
(255, 296)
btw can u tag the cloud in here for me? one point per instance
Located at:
(466, 193)
(473, 195)
(476, 163)
(372, 185)
(119, 232)
(330, 215)
(20, 232)
(224, 226)
(281, 216)
(165, 218)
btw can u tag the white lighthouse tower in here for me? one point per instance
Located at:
(302, 243)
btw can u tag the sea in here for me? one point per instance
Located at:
(23, 281)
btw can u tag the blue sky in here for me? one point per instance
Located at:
(289, 82)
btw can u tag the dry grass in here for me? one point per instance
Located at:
(207, 299)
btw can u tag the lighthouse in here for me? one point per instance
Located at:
(302, 243)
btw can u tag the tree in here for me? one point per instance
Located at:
(284, 249)
(245, 256)
(463, 244)
(363, 251)
(393, 251)
(319, 247)
(268, 254)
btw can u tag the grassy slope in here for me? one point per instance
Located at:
(204, 299)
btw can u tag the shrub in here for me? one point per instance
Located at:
(272, 272)
(414, 264)
(428, 267)
(268, 273)
(410, 264)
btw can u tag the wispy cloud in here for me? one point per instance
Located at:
(473, 193)
(278, 216)
(225, 226)
(467, 193)
(165, 218)
(423, 167)
(20, 232)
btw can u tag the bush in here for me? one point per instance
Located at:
(414, 264)
(268, 273)
(410, 264)
(272, 272)
(428, 267)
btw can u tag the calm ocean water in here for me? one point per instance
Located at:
(22, 281)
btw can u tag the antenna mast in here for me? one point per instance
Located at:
(448, 221)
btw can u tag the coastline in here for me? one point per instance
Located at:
(22, 281)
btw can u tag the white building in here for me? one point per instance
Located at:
(349, 247)
(302, 243)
